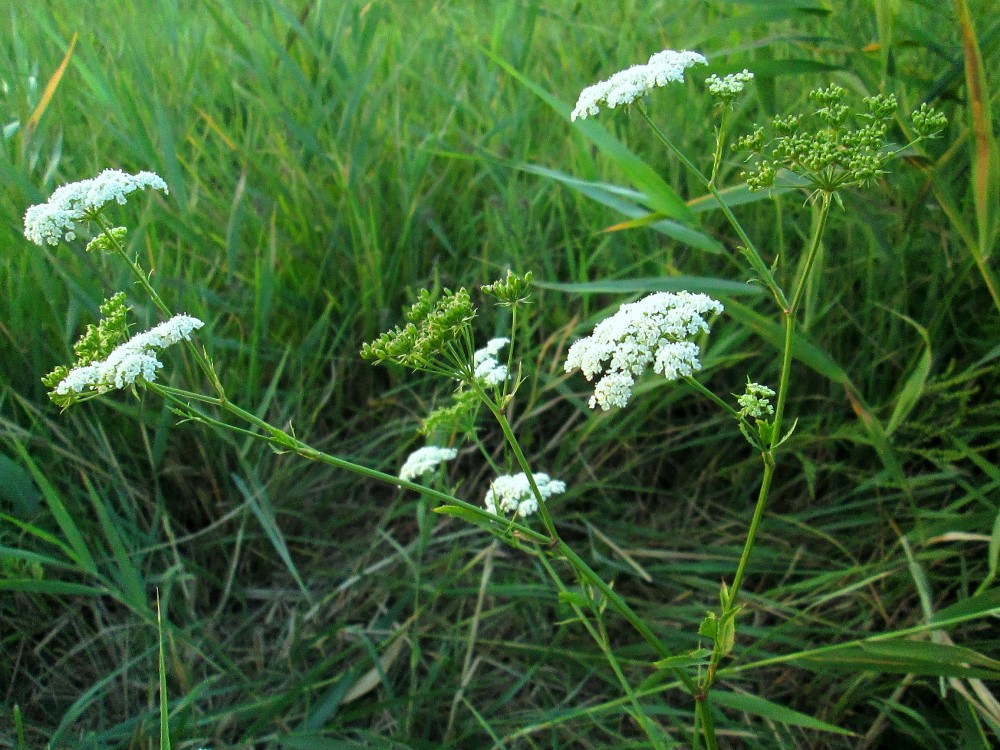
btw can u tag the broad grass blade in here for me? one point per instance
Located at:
(758, 706)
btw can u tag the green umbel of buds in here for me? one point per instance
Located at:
(928, 122)
(437, 338)
(459, 416)
(511, 290)
(98, 341)
(108, 241)
(832, 148)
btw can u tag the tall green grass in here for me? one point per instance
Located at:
(325, 160)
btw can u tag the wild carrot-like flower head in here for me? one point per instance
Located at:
(628, 85)
(103, 366)
(56, 219)
(488, 369)
(512, 493)
(425, 460)
(655, 331)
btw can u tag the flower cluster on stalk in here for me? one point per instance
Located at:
(655, 331)
(425, 460)
(437, 337)
(513, 493)
(104, 364)
(625, 86)
(833, 147)
(55, 220)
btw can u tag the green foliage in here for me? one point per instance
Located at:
(324, 162)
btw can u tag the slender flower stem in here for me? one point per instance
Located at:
(711, 396)
(140, 275)
(720, 135)
(751, 250)
(600, 638)
(280, 439)
(584, 570)
(790, 313)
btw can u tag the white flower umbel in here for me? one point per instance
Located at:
(489, 371)
(728, 86)
(131, 361)
(512, 494)
(655, 331)
(56, 220)
(424, 460)
(625, 86)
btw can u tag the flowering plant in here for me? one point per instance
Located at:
(663, 333)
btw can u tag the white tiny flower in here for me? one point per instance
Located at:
(488, 369)
(131, 361)
(728, 86)
(653, 332)
(512, 493)
(55, 220)
(626, 86)
(425, 460)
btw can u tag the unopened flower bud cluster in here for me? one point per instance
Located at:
(827, 150)
(755, 402)
(433, 340)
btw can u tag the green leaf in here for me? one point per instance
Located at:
(17, 489)
(913, 388)
(573, 598)
(133, 591)
(709, 627)
(703, 284)
(658, 194)
(804, 351)
(696, 657)
(905, 657)
(261, 506)
(80, 551)
(980, 605)
(629, 203)
(757, 706)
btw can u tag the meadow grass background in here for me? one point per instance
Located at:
(325, 160)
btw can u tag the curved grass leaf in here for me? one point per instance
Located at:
(657, 193)
(805, 351)
(702, 284)
(758, 706)
(629, 203)
(905, 657)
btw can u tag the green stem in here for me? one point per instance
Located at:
(584, 570)
(140, 275)
(790, 312)
(270, 434)
(751, 250)
(712, 397)
(720, 134)
(769, 455)
(601, 639)
(704, 713)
